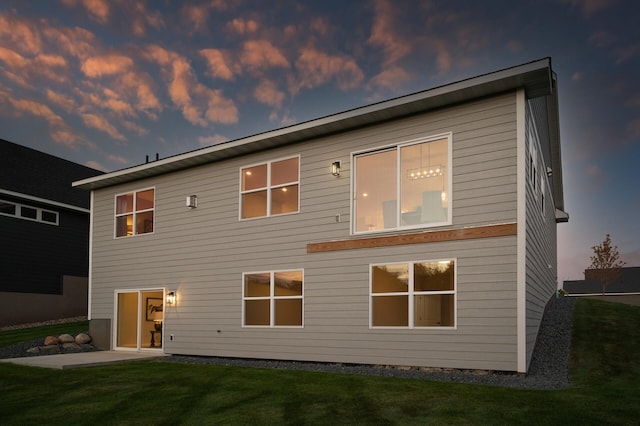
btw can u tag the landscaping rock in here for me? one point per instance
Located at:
(66, 338)
(51, 341)
(71, 347)
(83, 339)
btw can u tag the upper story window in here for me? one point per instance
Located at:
(403, 186)
(413, 294)
(135, 213)
(36, 214)
(270, 188)
(273, 299)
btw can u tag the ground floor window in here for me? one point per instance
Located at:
(273, 299)
(413, 294)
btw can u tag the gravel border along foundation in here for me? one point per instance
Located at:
(549, 368)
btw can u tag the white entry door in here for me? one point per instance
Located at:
(139, 320)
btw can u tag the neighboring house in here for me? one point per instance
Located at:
(628, 283)
(419, 231)
(44, 223)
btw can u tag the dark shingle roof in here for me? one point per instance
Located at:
(28, 171)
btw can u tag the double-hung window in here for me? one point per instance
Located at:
(135, 213)
(273, 299)
(403, 186)
(413, 294)
(270, 188)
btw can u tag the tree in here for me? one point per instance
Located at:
(605, 264)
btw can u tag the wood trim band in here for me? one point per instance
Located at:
(416, 238)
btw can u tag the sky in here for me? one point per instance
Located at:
(105, 83)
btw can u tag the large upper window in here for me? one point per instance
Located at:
(134, 213)
(403, 186)
(273, 299)
(269, 189)
(413, 294)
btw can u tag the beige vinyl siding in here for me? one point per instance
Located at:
(541, 243)
(201, 253)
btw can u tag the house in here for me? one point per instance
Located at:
(418, 231)
(625, 288)
(44, 224)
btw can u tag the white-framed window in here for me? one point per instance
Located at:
(134, 213)
(413, 294)
(273, 299)
(270, 188)
(22, 211)
(407, 185)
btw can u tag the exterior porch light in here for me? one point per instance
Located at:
(335, 168)
(171, 298)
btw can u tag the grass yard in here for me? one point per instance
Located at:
(605, 377)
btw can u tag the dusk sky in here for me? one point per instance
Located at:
(105, 83)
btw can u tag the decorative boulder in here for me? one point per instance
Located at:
(66, 338)
(83, 339)
(51, 340)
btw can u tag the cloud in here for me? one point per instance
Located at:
(99, 66)
(594, 171)
(218, 64)
(59, 131)
(390, 78)
(383, 33)
(258, 55)
(99, 123)
(117, 159)
(267, 93)
(98, 9)
(243, 27)
(12, 59)
(212, 140)
(315, 68)
(76, 41)
(95, 165)
(20, 34)
(589, 7)
(140, 85)
(576, 76)
(514, 46)
(65, 102)
(199, 104)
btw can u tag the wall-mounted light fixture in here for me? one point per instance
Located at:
(549, 171)
(335, 168)
(192, 201)
(171, 298)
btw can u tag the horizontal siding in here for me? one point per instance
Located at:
(541, 247)
(201, 253)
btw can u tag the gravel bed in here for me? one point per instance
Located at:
(549, 368)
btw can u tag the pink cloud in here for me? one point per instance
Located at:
(98, 9)
(117, 159)
(391, 78)
(212, 140)
(218, 64)
(384, 34)
(95, 165)
(259, 55)
(65, 102)
(267, 93)
(590, 7)
(99, 66)
(76, 41)
(12, 59)
(99, 123)
(196, 16)
(135, 128)
(594, 171)
(242, 26)
(514, 46)
(200, 105)
(141, 85)
(20, 34)
(316, 68)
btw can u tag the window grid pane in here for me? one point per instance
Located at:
(135, 213)
(280, 299)
(270, 189)
(426, 289)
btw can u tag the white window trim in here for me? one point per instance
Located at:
(272, 299)
(268, 188)
(410, 293)
(396, 147)
(39, 211)
(134, 212)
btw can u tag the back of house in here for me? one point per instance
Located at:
(418, 231)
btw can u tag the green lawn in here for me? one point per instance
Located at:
(605, 377)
